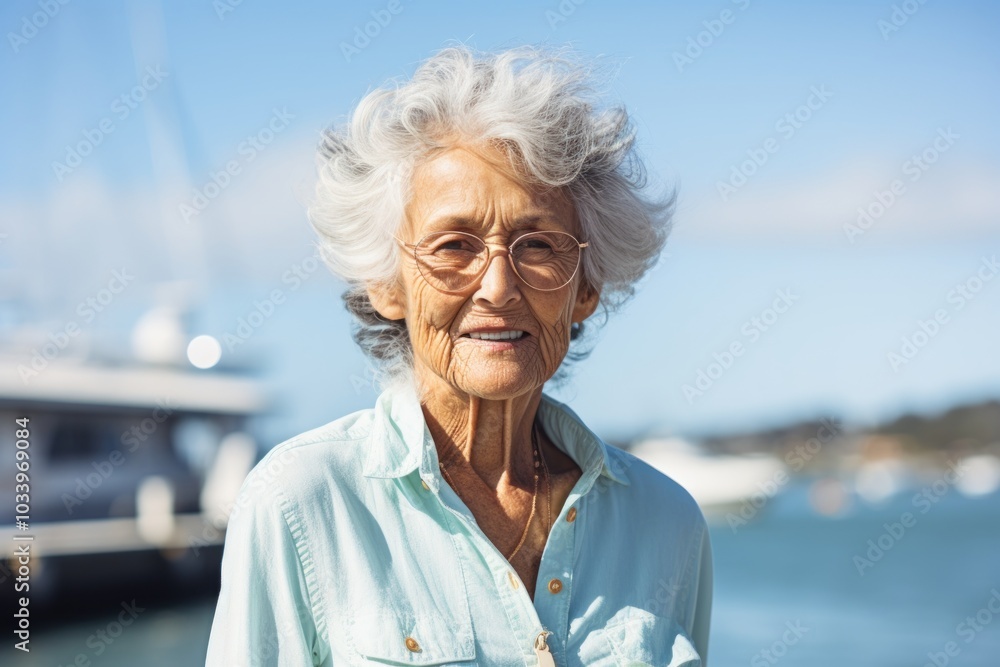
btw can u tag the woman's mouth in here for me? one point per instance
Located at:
(498, 341)
(497, 335)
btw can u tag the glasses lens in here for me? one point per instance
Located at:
(450, 261)
(546, 260)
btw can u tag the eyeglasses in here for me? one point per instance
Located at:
(453, 261)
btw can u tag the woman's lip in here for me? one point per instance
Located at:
(498, 343)
(492, 330)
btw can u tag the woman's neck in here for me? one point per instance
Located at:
(491, 436)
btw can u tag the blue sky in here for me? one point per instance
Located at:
(886, 97)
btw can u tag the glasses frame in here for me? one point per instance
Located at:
(489, 258)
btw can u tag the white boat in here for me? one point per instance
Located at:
(127, 465)
(717, 483)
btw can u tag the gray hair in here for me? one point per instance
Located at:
(542, 108)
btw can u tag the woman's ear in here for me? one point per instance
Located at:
(587, 298)
(387, 299)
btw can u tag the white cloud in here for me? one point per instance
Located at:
(62, 244)
(949, 199)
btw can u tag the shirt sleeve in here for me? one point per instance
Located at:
(264, 615)
(703, 600)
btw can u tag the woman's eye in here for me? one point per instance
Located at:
(535, 247)
(456, 246)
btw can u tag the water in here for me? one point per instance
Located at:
(792, 566)
(171, 634)
(789, 566)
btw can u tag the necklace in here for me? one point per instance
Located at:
(539, 460)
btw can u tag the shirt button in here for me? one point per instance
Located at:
(571, 515)
(412, 644)
(424, 484)
(555, 586)
(513, 580)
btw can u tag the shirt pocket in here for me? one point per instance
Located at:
(396, 637)
(637, 637)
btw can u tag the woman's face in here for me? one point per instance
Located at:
(476, 191)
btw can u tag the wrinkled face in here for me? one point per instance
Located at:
(476, 191)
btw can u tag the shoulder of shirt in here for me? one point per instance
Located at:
(299, 464)
(651, 486)
(354, 426)
(646, 483)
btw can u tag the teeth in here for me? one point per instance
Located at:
(497, 335)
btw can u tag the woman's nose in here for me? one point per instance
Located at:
(499, 285)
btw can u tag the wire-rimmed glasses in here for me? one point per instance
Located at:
(451, 261)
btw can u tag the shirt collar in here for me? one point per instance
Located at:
(402, 443)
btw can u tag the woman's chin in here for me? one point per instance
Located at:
(500, 381)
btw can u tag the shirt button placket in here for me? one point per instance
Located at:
(556, 572)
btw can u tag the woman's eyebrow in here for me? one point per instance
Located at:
(465, 221)
(449, 221)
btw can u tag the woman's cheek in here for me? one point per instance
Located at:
(553, 346)
(431, 343)
(554, 341)
(430, 326)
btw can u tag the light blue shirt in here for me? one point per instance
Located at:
(347, 546)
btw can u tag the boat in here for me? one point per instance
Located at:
(127, 467)
(719, 484)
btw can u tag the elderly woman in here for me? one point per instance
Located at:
(481, 213)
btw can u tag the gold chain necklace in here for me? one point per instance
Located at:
(539, 459)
